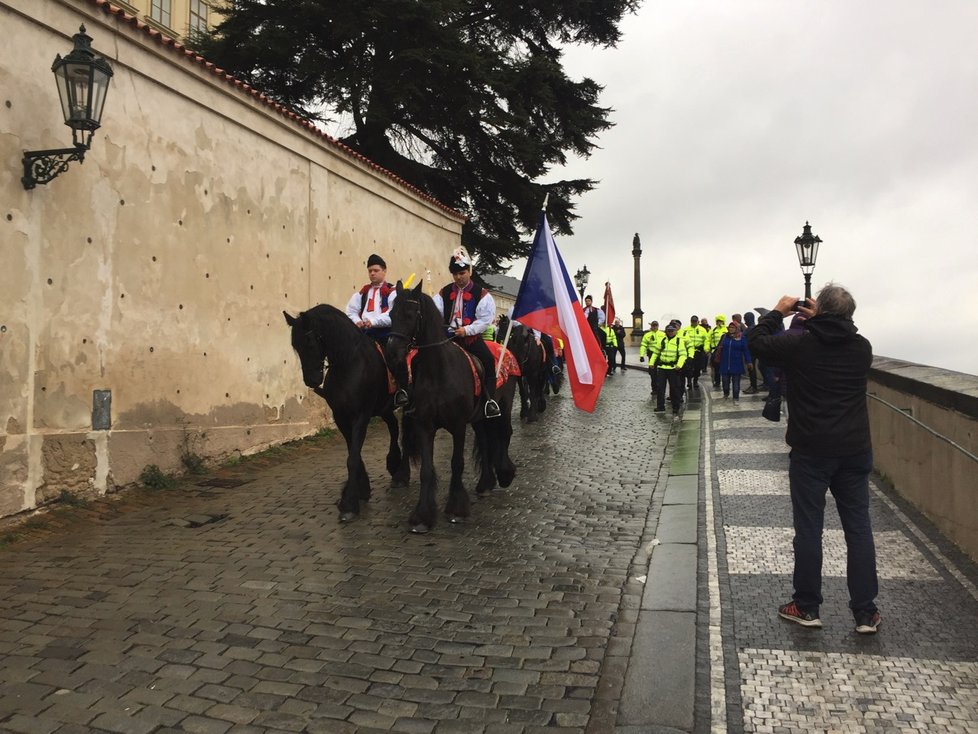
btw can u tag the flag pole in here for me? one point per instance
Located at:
(509, 321)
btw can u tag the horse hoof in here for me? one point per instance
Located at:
(398, 484)
(348, 516)
(420, 529)
(455, 519)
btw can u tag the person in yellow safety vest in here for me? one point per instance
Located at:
(697, 338)
(651, 337)
(669, 358)
(489, 334)
(716, 335)
(610, 347)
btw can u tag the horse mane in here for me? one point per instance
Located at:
(341, 336)
(431, 317)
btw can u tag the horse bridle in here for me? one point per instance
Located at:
(412, 339)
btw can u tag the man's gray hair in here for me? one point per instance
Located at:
(835, 300)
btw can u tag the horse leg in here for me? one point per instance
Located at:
(458, 499)
(349, 503)
(397, 461)
(483, 447)
(502, 434)
(357, 486)
(423, 517)
(524, 402)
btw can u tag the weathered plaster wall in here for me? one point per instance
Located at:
(159, 269)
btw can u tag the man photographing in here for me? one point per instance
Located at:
(826, 366)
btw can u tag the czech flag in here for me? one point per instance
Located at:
(548, 302)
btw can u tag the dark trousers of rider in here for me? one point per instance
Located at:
(674, 379)
(478, 349)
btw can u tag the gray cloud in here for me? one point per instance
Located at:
(736, 122)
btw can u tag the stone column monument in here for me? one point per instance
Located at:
(637, 320)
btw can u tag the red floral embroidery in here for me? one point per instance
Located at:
(451, 296)
(466, 296)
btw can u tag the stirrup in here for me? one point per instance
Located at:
(492, 409)
(555, 369)
(401, 399)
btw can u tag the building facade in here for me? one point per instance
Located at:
(178, 19)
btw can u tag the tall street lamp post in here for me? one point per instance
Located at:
(580, 280)
(807, 248)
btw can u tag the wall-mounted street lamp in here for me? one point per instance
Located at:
(580, 280)
(83, 82)
(807, 247)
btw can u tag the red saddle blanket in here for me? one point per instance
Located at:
(510, 367)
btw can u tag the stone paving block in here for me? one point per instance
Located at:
(659, 684)
(677, 524)
(671, 584)
(682, 490)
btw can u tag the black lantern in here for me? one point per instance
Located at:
(83, 82)
(807, 247)
(580, 280)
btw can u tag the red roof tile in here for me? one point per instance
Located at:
(194, 58)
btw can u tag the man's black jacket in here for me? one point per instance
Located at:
(826, 367)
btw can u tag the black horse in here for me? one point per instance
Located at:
(534, 369)
(444, 396)
(345, 367)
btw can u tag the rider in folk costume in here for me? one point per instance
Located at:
(369, 307)
(467, 310)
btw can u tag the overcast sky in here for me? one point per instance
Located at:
(738, 121)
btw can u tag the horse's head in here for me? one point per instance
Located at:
(406, 318)
(501, 327)
(308, 344)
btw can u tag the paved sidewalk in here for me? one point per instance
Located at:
(919, 673)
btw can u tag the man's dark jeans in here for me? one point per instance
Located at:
(848, 479)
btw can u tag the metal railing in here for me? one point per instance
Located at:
(927, 428)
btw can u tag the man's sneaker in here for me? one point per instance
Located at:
(867, 622)
(792, 613)
(750, 391)
(492, 409)
(401, 399)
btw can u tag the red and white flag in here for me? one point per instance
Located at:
(609, 305)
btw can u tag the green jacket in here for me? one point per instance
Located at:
(670, 354)
(610, 340)
(649, 340)
(697, 337)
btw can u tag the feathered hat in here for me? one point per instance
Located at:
(460, 261)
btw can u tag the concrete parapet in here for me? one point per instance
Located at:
(924, 422)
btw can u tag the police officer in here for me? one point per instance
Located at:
(668, 358)
(696, 340)
(650, 339)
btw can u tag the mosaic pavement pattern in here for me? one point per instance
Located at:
(919, 673)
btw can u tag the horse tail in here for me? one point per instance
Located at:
(409, 440)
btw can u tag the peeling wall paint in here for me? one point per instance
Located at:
(159, 269)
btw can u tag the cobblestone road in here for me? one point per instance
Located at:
(278, 618)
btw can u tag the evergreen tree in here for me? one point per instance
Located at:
(464, 99)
